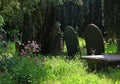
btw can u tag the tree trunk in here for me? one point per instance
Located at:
(27, 30)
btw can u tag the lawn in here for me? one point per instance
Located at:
(53, 69)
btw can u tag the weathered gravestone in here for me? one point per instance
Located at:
(71, 41)
(94, 40)
(55, 39)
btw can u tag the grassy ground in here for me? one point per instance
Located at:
(54, 69)
(110, 47)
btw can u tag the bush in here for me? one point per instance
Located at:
(7, 63)
(28, 70)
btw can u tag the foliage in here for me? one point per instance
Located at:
(59, 2)
(7, 63)
(37, 70)
(52, 70)
(55, 70)
(32, 15)
(13, 10)
(2, 38)
(111, 48)
(112, 17)
(2, 34)
(1, 21)
(9, 49)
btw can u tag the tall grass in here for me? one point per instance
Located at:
(55, 70)
(110, 47)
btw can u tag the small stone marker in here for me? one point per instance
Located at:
(71, 41)
(94, 40)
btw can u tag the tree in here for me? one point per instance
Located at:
(35, 19)
(112, 19)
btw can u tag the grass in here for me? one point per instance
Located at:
(111, 48)
(9, 50)
(53, 69)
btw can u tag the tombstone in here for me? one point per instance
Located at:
(71, 41)
(94, 40)
(60, 43)
(55, 39)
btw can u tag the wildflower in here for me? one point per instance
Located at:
(30, 48)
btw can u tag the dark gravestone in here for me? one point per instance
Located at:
(71, 41)
(59, 37)
(94, 40)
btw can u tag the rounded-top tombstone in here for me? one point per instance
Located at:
(94, 40)
(71, 41)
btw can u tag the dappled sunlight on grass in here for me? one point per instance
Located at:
(81, 42)
(54, 69)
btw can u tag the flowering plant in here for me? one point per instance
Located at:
(30, 48)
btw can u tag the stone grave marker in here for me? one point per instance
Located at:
(71, 41)
(94, 40)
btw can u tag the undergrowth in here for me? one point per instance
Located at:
(53, 70)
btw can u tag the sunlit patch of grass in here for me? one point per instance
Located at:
(81, 46)
(81, 42)
(11, 47)
(111, 48)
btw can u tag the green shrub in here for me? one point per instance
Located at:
(30, 70)
(7, 63)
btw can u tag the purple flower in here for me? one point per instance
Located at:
(30, 48)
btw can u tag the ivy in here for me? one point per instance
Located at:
(1, 21)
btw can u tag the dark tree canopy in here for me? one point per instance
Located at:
(36, 18)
